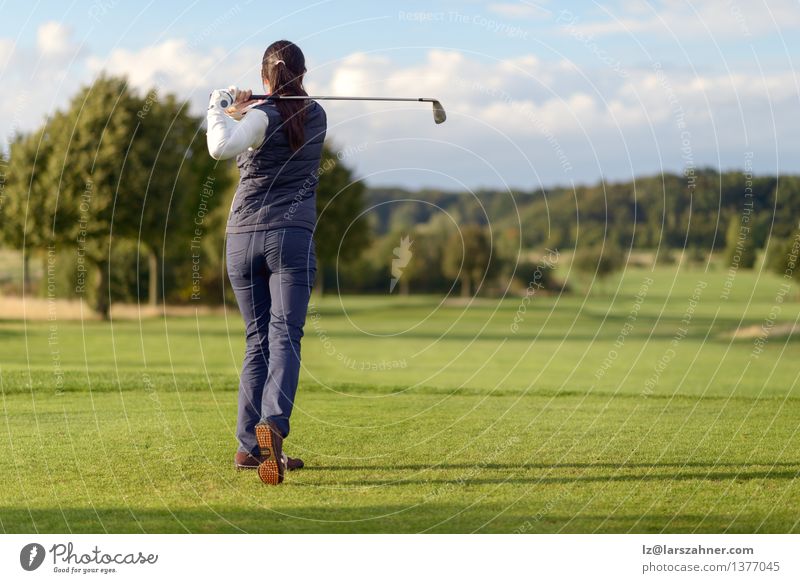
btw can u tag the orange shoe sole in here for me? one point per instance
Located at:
(269, 470)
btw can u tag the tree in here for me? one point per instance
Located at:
(424, 270)
(468, 257)
(538, 276)
(92, 143)
(342, 230)
(177, 184)
(783, 256)
(26, 211)
(740, 249)
(115, 167)
(600, 262)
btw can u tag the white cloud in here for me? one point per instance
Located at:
(171, 63)
(700, 19)
(356, 74)
(6, 50)
(501, 111)
(176, 66)
(608, 127)
(54, 62)
(54, 39)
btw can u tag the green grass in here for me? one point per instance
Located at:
(470, 426)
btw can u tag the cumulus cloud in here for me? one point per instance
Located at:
(6, 50)
(54, 39)
(175, 65)
(54, 62)
(525, 119)
(513, 113)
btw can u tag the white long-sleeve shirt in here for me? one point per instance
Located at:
(227, 137)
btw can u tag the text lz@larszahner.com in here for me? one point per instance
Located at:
(65, 555)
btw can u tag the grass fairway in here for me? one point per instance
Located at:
(630, 410)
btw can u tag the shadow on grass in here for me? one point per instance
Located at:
(423, 517)
(413, 518)
(545, 466)
(470, 474)
(252, 518)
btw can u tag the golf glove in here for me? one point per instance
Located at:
(229, 131)
(222, 98)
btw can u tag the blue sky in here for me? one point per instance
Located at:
(538, 93)
(363, 26)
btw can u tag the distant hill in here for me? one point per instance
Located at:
(662, 210)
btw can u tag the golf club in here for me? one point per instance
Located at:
(438, 111)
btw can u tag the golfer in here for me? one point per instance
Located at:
(269, 246)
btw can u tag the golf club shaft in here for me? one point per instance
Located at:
(341, 98)
(438, 111)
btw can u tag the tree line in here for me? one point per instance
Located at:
(733, 216)
(118, 195)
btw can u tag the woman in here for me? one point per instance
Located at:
(270, 251)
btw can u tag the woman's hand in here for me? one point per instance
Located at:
(241, 102)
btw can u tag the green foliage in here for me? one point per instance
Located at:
(118, 166)
(740, 250)
(598, 261)
(645, 213)
(114, 167)
(783, 256)
(27, 207)
(422, 273)
(182, 187)
(538, 276)
(469, 257)
(342, 230)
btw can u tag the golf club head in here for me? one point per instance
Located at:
(438, 112)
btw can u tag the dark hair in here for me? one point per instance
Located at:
(283, 66)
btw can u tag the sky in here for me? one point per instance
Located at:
(537, 94)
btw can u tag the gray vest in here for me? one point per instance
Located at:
(277, 187)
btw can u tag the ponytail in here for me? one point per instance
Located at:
(283, 66)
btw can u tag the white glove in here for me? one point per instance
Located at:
(234, 101)
(222, 98)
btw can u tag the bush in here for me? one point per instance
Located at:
(740, 249)
(597, 261)
(783, 256)
(537, 275)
